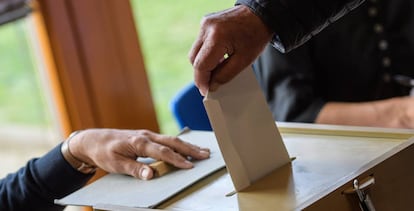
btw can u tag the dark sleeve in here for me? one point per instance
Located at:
(288, 82)
(39, 183)
(296, 21)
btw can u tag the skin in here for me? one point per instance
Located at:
(237, 32)
(116, 151)
(395, 112)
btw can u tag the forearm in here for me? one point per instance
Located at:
(39, 183)
(382, 113)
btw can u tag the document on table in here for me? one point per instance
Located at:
(247, 135)
(116, 190)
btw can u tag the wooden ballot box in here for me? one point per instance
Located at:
(333, 168)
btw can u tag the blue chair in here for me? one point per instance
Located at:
(188, 109)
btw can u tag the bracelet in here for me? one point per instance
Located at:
(72, 160)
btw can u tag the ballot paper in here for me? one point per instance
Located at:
(247, 135)
(122, 191)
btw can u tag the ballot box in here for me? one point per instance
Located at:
(333, 168)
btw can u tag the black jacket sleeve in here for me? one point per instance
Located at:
(296, 21)
(39, 183)
(289, 84)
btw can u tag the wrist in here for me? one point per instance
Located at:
(389, 112)
(75, 162)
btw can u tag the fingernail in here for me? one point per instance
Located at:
(145, 173)
(188, 163)
(204, 154)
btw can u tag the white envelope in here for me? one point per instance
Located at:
(247, 135)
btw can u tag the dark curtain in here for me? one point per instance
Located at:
(11, 10)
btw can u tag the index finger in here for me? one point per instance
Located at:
(195, 48)
(181, 146)
(210, 55)
(158, 151)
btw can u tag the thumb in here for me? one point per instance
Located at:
(138, 170)
(145, 172)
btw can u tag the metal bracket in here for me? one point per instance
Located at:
(365, 202)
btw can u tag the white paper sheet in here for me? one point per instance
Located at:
(245, 130)
(115, 190)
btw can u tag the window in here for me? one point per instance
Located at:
(166, 40)
(26, 128)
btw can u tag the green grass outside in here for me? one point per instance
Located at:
(21, 101)
(166, 30)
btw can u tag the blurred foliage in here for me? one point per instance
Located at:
(167, 30)
(21, 100)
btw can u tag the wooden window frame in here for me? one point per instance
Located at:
(94, 64)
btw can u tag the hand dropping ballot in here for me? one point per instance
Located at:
(247, 135)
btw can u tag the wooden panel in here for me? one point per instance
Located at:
(94, 65)
(393, 183)
(99, 65)
(68, 71)
(54, 88)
